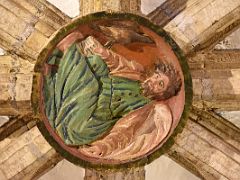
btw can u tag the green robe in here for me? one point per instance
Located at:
(83, 101)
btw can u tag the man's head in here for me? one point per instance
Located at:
(163, 82)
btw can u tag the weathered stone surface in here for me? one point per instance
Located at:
(203, 23)
(91, 6)
(13, 126)
(208, 146)
(215, 79)
(16, 85)
(26, 25)
(168, 10)
(208, 167)
(26, 156)
(217, 59)
(230, 42)
(120, 174)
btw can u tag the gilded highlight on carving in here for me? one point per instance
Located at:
(113, 90)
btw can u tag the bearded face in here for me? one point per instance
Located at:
(155, 85)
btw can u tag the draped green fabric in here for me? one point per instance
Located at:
(82, 101)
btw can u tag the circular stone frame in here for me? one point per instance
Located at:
(64, 31)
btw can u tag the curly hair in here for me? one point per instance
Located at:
(175, 81)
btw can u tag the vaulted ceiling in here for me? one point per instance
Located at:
(206, 30)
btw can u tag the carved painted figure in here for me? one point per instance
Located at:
(109, 106)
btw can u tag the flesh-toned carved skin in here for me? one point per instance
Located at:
(155, 84)
(134, 135)
(118, 65)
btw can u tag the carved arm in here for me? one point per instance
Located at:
(118, 65)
